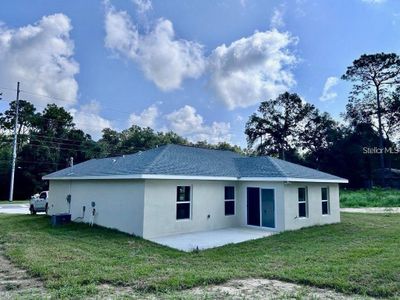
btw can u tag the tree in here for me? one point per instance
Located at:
(374, 75)
(392, 114)
(110, 142)
(5, 164)
(135, 139)
(27, 117)
(276, 128)
(320, 133)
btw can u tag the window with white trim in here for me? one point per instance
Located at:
(183, 202)
(325, 200)
(229, 200)
(302, 202)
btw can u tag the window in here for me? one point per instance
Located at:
(302, 196)
(325, 200)
(183, 202)
(229, 200)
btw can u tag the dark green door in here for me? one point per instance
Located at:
(268, 208)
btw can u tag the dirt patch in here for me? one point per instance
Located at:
(16, 283)
(235, 290)
(267, 289)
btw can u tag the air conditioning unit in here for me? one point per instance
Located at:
(60, 219)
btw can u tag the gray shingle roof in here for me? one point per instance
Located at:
(190, 161)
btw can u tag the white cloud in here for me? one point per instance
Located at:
(143, 5)
(253, 69)
(88, 118)
(163, 58)
(277, 18)
(40, 57)
(374, 1)
(327, 93)
(147, 118)
(186, 122)
(121, 33)
(239, 118)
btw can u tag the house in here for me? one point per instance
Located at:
(179, 189)
(392, 178)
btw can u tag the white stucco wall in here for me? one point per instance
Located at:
(148, 207)
(207, 199)
(315, 217)
(119, 203)
(278, 187)
(57, 201)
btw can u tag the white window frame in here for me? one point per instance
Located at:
(305, 201)
(230, 200)
(327, 200)
(183, 202)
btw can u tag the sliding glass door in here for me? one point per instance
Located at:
(261, 207)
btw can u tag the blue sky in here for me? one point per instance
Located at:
(196, 67)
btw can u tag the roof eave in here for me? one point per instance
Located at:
(294, 179)
(187, 177)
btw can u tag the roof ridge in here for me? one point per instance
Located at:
(204, 148)
(272, 160)
(157, 158)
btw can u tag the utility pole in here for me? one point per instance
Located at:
(14, 157)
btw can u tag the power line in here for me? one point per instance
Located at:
(58, 148)
(124, 112)
(38, 137)
(35, 135)
(35, 162)
(54, 143)
(70, 101)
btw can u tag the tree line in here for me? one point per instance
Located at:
(362, 149)
(284, 127)
(48, 139)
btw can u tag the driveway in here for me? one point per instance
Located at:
(14, 208)
(210, 239)
(372, 210)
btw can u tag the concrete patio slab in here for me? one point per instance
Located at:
(211, 239)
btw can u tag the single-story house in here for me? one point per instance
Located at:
(175, 189)
(392, 178)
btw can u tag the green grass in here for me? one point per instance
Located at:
(375, 197)
(359, 255)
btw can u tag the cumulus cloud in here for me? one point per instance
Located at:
(374, 1)
(40, 56)
(143, 5)
(88, 119)
(327, 93)
(253, 69)
(163, 58)
(277, 18)
(188, 123)
(147, 118)
(241, 74)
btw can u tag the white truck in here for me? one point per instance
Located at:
(39, 203)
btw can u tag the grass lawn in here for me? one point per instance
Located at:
(375, 197)
(359, 255)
